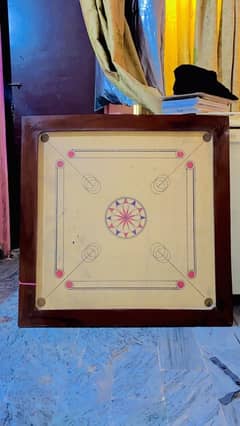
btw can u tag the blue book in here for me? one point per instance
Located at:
(193, 104)
(180, 103)
(188, 110)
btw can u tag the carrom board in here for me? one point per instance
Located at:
(125, 221)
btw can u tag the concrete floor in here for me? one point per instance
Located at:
(117, 377)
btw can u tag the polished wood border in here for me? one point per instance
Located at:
(29, 316)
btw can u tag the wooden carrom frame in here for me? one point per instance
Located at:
(125, 221)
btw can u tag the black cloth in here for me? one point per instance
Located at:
(191, 79)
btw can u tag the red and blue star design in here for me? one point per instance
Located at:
(126, 217)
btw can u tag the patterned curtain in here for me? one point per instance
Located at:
(4, 201)
(113, 45)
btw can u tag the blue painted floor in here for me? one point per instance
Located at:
(115, 377)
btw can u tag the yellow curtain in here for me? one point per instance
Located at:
(205, 33)
(179, 37)
(115, 50)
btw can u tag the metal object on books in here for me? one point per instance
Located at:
(139, 109)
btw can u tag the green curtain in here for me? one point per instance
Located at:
(113, 45)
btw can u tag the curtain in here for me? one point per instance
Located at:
(217, 41)
(229, 48)
(201, 32)
(115, 50)
(4, 201)
(207, 33)
(179, 37)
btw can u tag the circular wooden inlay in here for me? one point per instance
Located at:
(44, 137)
(41, 302)
(208, 302)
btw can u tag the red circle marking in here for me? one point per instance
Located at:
(60, 163)
(180, 154)
(71, 153)
(191, 274)
(190, 165)
(69, 284)
(59, 273)
(180, 284)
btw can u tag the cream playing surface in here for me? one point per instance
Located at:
(125, 220)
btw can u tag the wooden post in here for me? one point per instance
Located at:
(4, 198)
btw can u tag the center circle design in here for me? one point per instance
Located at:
(126, 217)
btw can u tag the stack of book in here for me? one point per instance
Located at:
(195, 103)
